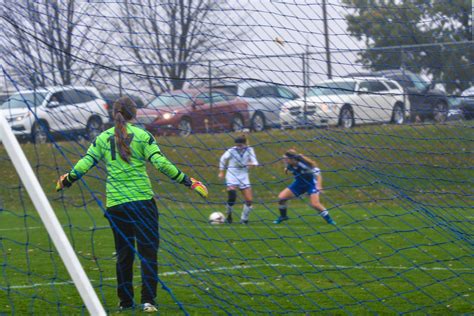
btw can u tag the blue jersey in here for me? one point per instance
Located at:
(305, 178)
(303, 171)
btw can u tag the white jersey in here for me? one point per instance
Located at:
(237, 161)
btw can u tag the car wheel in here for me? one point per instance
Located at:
(258, 122)
(94, 128)
(440, 112)
(346, 117)
(237, 123)
(398, 114)
(39, 133)
(185, 128)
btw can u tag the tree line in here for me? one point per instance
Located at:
(50, 42)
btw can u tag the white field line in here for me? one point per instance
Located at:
(243, 267)
(236, 226)
(20, 228)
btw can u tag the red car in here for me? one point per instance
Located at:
(182, 112)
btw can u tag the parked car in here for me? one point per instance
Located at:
(426, 101)
(110, 98)
(264, 99)
(467, 103)
(183, 112)
(346, 102)
(454, 108)
(32, 114)
(4, 97)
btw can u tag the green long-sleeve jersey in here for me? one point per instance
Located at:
(127, 182)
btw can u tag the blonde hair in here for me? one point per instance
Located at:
(293, 154)
(124, 111)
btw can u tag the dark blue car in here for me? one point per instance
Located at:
(467, 103)
(426, 102)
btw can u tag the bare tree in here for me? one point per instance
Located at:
(168, 38)
(44, 42)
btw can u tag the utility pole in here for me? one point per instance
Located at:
(326, 39)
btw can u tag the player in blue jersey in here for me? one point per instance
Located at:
(308, 180)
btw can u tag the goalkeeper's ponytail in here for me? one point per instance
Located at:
(124, 111)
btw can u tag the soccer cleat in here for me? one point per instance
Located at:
(280, 219)
(123, 308)
(331, 222)
(149, 308)
(243, 221)
(228, 219)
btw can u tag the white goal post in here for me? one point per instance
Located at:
(49, 219)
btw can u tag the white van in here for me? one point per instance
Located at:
(32, 114)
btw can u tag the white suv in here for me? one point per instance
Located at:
(345, 102)
(61, 109)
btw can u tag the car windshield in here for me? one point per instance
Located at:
(171, 101)
(418, 81)
(330, 88)
(24, 100)
(232, 89)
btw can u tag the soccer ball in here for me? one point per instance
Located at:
(216, 218)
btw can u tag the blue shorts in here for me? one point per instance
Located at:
(301, 186)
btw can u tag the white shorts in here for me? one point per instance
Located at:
(237, 179)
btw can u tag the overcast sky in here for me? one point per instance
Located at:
(298, 25)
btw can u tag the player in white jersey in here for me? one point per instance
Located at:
(237, 161)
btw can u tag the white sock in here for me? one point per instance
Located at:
(246, 212)
(324, 213)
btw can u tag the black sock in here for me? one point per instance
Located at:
(282, 208)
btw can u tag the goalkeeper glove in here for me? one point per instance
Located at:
(196, 186)
(64, 181)
(199, 188)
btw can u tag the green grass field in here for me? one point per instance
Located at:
(401, 195)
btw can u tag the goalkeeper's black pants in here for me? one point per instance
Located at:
(135, 222)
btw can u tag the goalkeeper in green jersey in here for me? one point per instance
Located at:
(131, 209)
